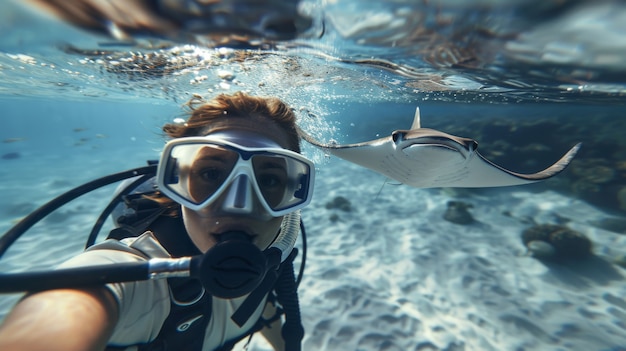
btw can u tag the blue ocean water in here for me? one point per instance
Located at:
(527, 81)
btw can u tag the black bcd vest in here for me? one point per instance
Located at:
(190, 305)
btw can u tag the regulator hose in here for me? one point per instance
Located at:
(14, 233)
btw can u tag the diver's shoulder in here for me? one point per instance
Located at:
(140, 248)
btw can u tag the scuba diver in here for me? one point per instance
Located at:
(228, 186)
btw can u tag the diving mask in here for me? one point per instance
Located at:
(195, 171)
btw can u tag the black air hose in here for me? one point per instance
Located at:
(287, 296)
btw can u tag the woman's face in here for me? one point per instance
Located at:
(206, 225)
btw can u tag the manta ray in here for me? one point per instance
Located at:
(428, 158)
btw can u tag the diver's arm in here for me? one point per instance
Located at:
(65, 320)
(272, 333)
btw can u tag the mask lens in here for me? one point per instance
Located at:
(199, 170)
(209, 170)
(283, 181)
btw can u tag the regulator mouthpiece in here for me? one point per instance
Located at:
(234, 267)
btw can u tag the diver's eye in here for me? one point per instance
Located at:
(270, 181)
(211, 174)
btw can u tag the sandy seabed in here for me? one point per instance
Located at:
(392, 274)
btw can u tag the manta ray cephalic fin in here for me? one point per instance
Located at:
(416, 119)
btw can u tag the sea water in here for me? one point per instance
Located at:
(387, 269)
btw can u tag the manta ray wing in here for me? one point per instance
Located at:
(366, 154)
(484, 173)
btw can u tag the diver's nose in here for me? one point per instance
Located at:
(239, 196)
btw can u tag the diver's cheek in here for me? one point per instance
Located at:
(199, 229)
(268, 231)
(208, 213)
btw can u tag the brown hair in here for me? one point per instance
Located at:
(238, 105)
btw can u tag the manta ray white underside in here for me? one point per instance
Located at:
(428, 158)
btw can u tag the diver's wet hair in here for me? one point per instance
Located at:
(239, 105)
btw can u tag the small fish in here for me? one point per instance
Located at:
(12, 140)
(11, 156)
